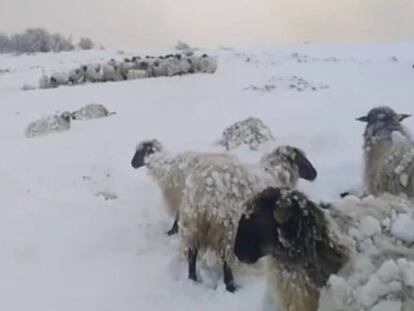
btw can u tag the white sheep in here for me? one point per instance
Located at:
(48, 125)
(92, 73)
(76, 76)
(110, 72)
(388, 153)
(124, 67)
(134, 74)
(205, 63)
(59, 78)
(302, 247)
(213, 199)
(170, 171)
(91, 111)
(251, 131)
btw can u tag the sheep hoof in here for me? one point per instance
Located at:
(174, 229)
(231, 288)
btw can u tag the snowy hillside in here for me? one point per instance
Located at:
(64, 247)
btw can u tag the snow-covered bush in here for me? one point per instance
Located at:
(251, 131)
(388, 152)
(86, 44)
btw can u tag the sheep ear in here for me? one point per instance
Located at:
(306, 169)
(362, 119)
(138, 159)
(282, 215)
(403, 116)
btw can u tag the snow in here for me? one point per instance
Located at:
(62, 247)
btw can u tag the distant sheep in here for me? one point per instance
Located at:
(91, 111)
(213, 199)
(48, 125)
(251, 131)
(388, 152)
(134, 74)
(59, 78)
(92, 73)
(302, 249)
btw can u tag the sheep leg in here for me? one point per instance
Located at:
(174, 228)
(192, 259)
(228, 278)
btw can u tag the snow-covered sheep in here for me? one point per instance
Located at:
(205, 63)
(48, 125)
(124, 67)
(212, 204)
(44, 82)
(59, 78)
(160, 68)
(110, 72)
(134, 74)
(251, 131)
(76, 76)
(381, 274)
(302, 251)
(91, 111)
(92, 72)
(388, 153)
(170, 171)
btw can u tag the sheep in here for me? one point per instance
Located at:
(213, 199)
(207, 64)
(110, 72)
(380, 274)
(388, 153)
(301, 248)
(59, 78)
(92, 73)
(91, 111)
(160, 68)
(170, 171)
(45, 82)
(75, 76)
(251, 131)
(50, 124)
(136, 74)
(123, 69)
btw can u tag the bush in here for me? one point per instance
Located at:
(35, 40)
(86, 44)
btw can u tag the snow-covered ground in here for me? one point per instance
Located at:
(64, 247)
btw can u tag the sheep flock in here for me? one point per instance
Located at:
(133, 68)
(353, 254)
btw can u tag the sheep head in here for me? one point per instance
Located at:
(285, 224)
(381, 122)
(145, 149)
(292, 157)
(66, 115)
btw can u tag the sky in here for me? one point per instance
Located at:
(160, 23)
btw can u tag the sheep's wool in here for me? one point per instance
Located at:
(47, 125)
(214, 200)
(381, 274)
(90, 111)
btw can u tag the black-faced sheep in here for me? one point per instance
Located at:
(213, 201)
(48, 125)
(388, 153)
(295, 235)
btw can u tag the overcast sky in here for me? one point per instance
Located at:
(150, 23)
